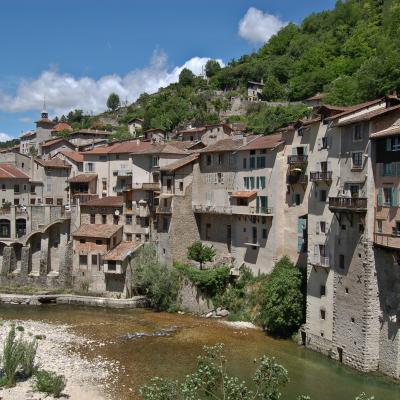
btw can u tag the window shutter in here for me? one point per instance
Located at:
(300, 243)
(395, 199)
(294, 151)
(381, 169)
(258, 182)
(380, 197)
(388, 144)
(305, 150)
(262, 182)
(319, 143)
(317, 228)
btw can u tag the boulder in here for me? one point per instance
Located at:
(222, 313)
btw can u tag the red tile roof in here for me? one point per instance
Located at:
(54, 141)
(91, 132)
(130, 146)
(121, 251)
(53, 163)
(167, 148)
(391, 131)
(318, 96)
(369, 115)
(73, 155)
(27, 134)
(228, 144)
(82, 178)
(264, 142)
(62, 126)
(108, 201)
(45, 121)
(9, 171)
(244, 194)
(96, 231)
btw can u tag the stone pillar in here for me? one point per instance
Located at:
(44, 254)
(12, 222)
(66, 257)
(25, 260)
(8, 260)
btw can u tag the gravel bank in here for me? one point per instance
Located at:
(86, 379)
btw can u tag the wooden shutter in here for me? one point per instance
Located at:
(388, 144)
(380, 197)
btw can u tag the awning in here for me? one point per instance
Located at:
(244, 194)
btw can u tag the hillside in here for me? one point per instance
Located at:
(352, 53)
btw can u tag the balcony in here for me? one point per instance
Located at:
(83, 197)
(209, 209)
(320, 261)
(353, 204)
(250, 210)
(299, 179)
(297, 159)
(321, 176)
(146, 186)
(122, 172)
(121, 188)
(164, 210)
(388, 240)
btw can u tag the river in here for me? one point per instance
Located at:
(174, 356)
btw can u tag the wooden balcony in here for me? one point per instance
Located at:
(297, 159)
(297, 179)
(346, 204)
(391, 241)
(321, 176)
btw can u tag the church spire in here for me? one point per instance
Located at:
(45, 114)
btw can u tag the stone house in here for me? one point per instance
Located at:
(254, 90)
(50, 148)
(86, 139)
(135, 126)
(104, 210)
(74, 159)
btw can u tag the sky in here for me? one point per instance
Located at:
(75, 53)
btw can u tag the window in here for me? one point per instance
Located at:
(264, 233)
(16, 202)
(322, 313)
(165, 224)
(394, 143)
(262, 184)
(129, 237)
(387, 169)
(396, 229)
(104, 184)
(322, 195)
(104, 219)
(252, 152)
(252, 162)
(260, 162)
(322, 290)
(387, 196)
(354, 190)
(357, 133)
(356, 159)
(82, 240)
(246, 182)
(297, 199)
(154, 161)
(208, 159)
(244, 163)
(94, 259)
(83, 259)
(208, 231)
(300, 131)
(16, 188)
(252, 182)
(324, 143)
(379, 225)
(220, 177)
(220, 159)
(103, 158)
(59, 202)
(32, 202)
(341, 261)
(3, 186)
(49, 200)
(92, 218)
(128, 220)
(116, 219)
(181, 186)
(322, 226)
(254, 235)
(90, 167)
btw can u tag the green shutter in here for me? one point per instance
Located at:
(381, 169)
(262, 181)
(388, 144)
(380, 197)
(395, 199)
(300, 225)
(258, 182)
(258, 203)
(300, 243)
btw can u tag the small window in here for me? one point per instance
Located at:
(129, 237)
(16, 188)
(3, 186)
(322, 195)
(361, 228)
(322, 290)
(346, 290)
(324, 143)
(244, 163)
(341, 261)
(264, 233)
(99, 241)
(343, 227)
(82, 240)
(111, 265)
(357, 133)
(387, 196)
(322, 226)
(300, 131)
(83, 259)
(352, 320)
(252, 152)
(356, 159)
(94, 259)
(297, 199)
(220, 159)
(181, 186)
(128, 220)
(322, 314)
(104, 219)
(208, 231)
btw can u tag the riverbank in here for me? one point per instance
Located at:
(86, 379)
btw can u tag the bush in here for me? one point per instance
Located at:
(282, 300)
(49, 383)
(12, 354)
(160, 283)
(209, 281)
(201, 253)
(28, 355)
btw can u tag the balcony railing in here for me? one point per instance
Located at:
(321, 261)
(297, 159)
(354, 204)
(321, 176)
(212, 209)
(387, 240)
(83, 197)
(301, 179)
(121, 188)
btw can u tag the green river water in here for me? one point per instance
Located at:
(174, 356)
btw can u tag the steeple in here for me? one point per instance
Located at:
(45, 114)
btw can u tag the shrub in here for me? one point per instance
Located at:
(160, 283)
(282, 300)
(12, 353)
(49, 383)
(209, 281)
(201, 253)
(28, 355)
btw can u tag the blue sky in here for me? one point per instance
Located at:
(76, 52)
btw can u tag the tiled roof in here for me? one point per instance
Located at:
(96, 230)
(27, 134)
(91, 132)
(191, 130)
(121, 251)
(82, 178)
(8, 171)
(391, 131)
(244, 194)
(228, 144)
(256, 83)
(130, 146)
(167, 148)
(308, 121)
(369, 115)
(45, 121)
(180, 163)
(136, 119)
(109, 201)
(53, 163)
(73, 155)
(264, 142)
(54, 141)
(62, 126)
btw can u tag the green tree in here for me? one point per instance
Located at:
(186, 77)
(282, 308)
(113, 102)
(273, 90)
(201, 253)
(212, 68)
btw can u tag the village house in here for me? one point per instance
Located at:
(254, 90)
(135, 126)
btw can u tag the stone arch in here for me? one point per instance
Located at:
(5, 228)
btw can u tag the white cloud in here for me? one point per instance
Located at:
(4, 137)
(257, 27)
(64, 92)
